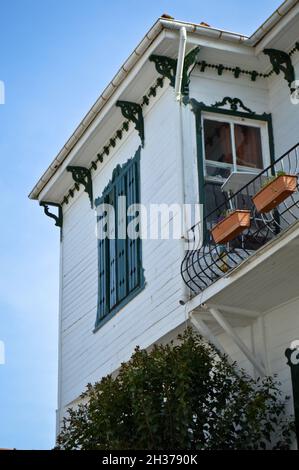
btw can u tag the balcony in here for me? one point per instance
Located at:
(206, 261)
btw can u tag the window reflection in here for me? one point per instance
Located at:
(248, 146)
(217, 138)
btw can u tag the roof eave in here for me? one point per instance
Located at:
(271, 22)
(118, 79)
(159, 25)
(96, 108)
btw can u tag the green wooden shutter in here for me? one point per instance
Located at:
(102, 267)
(132, 245)
(112, 251)
(121, 248)
(119, 258)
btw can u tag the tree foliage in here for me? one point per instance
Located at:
(178, 396)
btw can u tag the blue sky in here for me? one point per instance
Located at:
(55, 59)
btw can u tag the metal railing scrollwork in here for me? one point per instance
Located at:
(206, 261)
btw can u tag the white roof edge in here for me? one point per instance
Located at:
(272, 21)
(95, 109)
(159, 25)
(204, 30)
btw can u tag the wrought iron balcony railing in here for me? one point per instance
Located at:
(205, 261)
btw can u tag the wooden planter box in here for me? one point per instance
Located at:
(275, 192)
(230, 227)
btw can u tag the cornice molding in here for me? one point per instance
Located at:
(281, 62)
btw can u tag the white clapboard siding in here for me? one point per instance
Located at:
(281, 328)
(87, 356)
(209, 88)
(285, 115)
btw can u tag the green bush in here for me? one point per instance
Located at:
(178, 396)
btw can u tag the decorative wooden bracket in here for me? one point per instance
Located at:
(133, 112)
(293, 361)
(58, 218)
(166, 66)
(82, 175)
(281, 62)
(190, 61)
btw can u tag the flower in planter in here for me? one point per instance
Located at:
(269, 179)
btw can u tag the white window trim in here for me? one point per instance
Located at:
(231, 120)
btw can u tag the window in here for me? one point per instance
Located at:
(119, 257)
(232, 145)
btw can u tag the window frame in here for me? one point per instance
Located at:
(118, 173)
(232, 120)
(200, 107)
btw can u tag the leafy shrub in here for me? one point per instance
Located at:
(178, 396)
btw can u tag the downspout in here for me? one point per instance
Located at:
(180, 153)
(180, 64)
(59, 413)
(178, 98)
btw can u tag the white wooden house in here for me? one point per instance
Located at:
(192, 109)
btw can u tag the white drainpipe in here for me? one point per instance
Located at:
(180, 63)
(178, 96)
(180, 153)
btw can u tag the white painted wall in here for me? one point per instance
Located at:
(208, 87)
(281, 327)
(87, 356)
(265, 95)
(285, 115)
(270, 96)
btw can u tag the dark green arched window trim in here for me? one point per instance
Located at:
(120, 272)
